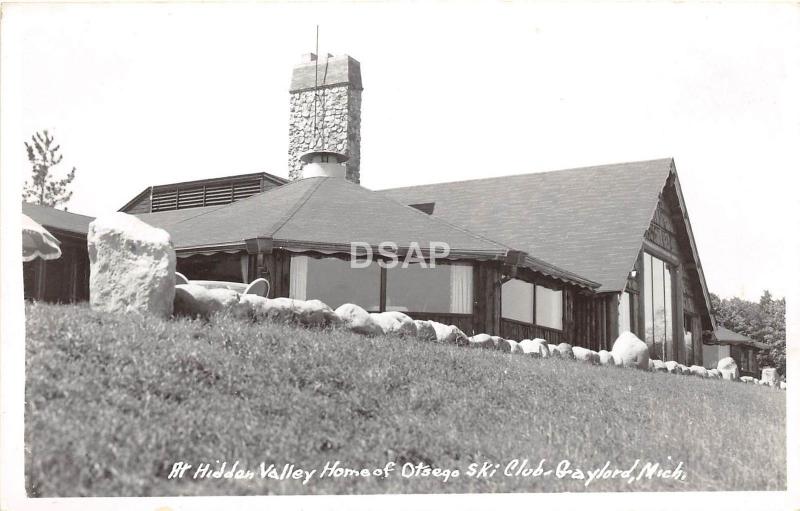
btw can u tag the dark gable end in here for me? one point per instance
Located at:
(670, 230)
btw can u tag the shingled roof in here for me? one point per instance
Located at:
(725, 336)
(590, 221)
(326, 214)
(53, 218)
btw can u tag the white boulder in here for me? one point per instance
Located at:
(715, 374)
(425, 331)
(314, 313)
(356, 319)
(684, 369)
(747, 379)
(506, 345)
(484, 341)
(565, 350)
(553, 348)
(395, 323)
(585, 355)
(193, 300)
(132, 266)
(728, 368)
(449, 334)
(536, 348)
(659, 366)
(698, 371)
(782, 385)
(673, 367)
(631, 350)
(606, 359)
(769, 375)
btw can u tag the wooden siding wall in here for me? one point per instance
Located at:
(593, 317)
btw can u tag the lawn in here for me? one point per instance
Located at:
(113, 401)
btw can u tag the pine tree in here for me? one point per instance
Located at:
(44, 188)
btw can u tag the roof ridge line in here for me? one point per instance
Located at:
(523, 174)
(294, 209)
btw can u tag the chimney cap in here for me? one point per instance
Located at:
(308, 156)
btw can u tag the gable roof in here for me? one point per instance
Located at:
(53, 218)
(725, 336)
(590, 221)
(326, 214)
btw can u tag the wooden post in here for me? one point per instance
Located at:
(613, 319)
(382, 306)
(41, 277)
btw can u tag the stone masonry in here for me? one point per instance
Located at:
(338, 111)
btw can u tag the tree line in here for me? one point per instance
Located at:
(763, 321)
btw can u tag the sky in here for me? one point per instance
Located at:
(145, 94)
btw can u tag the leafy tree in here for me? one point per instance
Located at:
(763, 321)
(44, 188)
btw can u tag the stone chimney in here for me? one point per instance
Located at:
(338, 111)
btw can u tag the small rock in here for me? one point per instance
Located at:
(606, 359)
(769, 375)
(535, 348)
(425, 331)
(585, 355)
(659, 366)
(698, 371)
(482, 341)
(673, 367)
(728, 368)
(565, 350)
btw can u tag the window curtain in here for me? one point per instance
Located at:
(516, 300)
(298, 277)
(548, 308)
(244, 261)
(460, 289)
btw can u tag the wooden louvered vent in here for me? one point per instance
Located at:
(193, 195)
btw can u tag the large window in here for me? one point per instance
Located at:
(334, 282)
(658, 307)
(444, 288)
(522, 301)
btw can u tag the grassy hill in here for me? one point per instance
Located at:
(113, 401)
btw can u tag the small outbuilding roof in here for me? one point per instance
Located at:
(326, 214)
(57, 219)
(725, 336)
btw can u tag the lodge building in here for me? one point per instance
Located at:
(574, 256)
